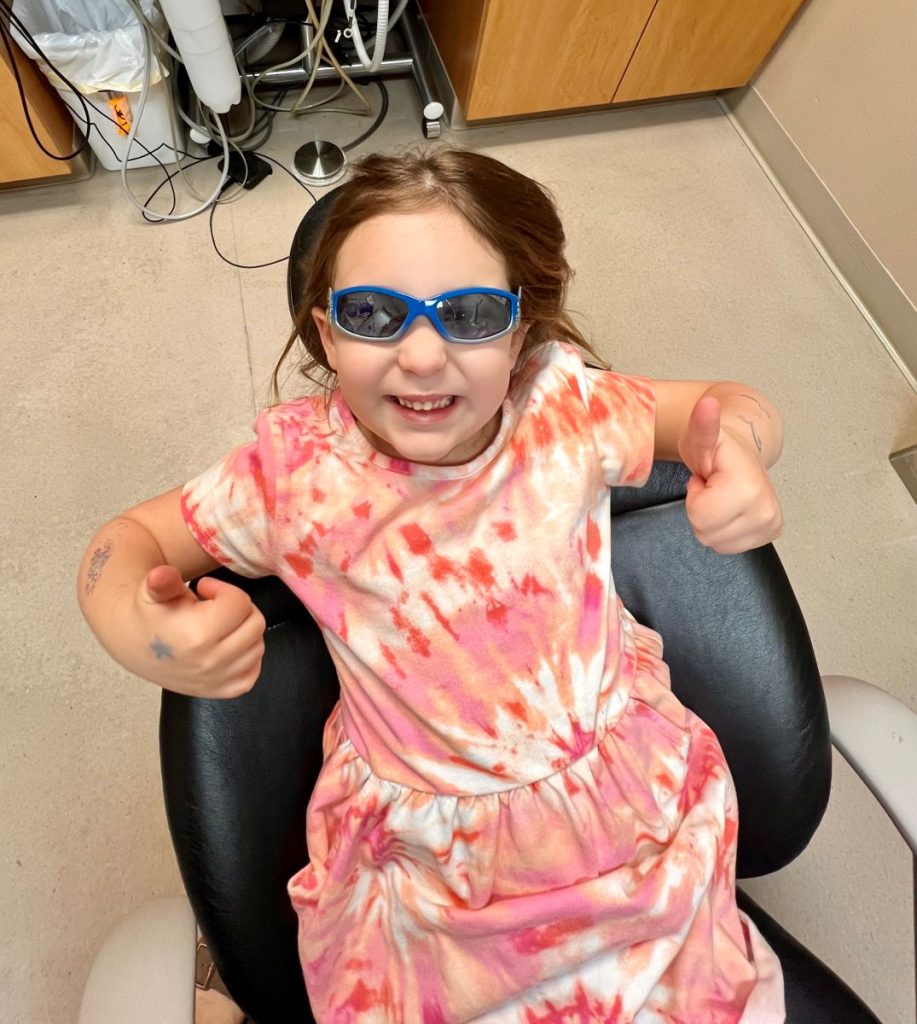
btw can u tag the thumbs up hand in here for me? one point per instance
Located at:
(731, 503)
(204, 645)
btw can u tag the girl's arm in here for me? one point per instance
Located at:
(131, 591)
(744, 412)
(728, 435)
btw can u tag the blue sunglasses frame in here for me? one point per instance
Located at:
(428, 308)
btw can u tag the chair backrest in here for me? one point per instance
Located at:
(237, 774)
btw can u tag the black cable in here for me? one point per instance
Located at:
(86, 104)
(232, 263)
(154, 219)
(380, 117)
(146, 152)
(7, 42)
(20, 25)
(167, 180)
(258, 266)
(289, 174)
(271, 263)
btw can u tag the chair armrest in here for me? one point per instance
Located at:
(144, 972)
(877, 736)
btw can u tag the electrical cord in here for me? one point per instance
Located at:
(147, 26)
(380, 117)
(351, 145)
(167, 180)
(260, 122)
(216, 196)
(145, 22)
(320, 23)
(149, 29)
(200, 160)
(85, 104)
(317, 41)
(329, 53)
(215, 133)
(270, 263)
(144, 91)
(11, 53)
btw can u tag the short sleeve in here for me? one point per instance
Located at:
(230, 508)
(622, 414)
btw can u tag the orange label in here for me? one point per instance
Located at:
(120, 112)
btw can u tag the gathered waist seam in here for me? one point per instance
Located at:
(599, 740)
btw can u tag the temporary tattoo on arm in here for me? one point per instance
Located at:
(754, 433)
(752, 398)
(96, 564)
(102, 554)
(161, 649)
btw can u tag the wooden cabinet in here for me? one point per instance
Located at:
(512, 57)
(703, 45)
(21, 161)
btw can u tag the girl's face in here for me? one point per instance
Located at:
(421, 254)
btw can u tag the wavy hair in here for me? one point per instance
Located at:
(515, 215)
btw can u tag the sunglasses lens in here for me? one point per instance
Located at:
(475, 316)
(370, 314)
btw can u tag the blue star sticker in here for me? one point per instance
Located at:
(161, 649)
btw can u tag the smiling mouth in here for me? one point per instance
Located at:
(439, 403)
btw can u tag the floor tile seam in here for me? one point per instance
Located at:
(249, 358)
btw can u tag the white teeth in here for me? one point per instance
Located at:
(426, 406)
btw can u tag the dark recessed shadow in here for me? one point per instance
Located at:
(596, 122)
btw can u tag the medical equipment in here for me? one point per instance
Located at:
(200, 34)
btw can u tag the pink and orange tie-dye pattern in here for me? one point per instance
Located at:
(516, 821)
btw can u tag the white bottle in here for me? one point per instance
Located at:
(202, 39)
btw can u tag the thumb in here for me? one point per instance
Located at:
(229, 603)
(231, 598)
(697, 444)
(164, 584)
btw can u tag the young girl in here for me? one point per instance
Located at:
(516, 821)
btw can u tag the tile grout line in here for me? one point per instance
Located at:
(816, 242)
(248, 340)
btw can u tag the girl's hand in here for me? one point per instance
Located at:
(209, 645)
(731, 504)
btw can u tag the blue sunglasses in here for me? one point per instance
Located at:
(466, 315)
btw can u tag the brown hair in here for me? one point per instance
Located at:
(515, 215)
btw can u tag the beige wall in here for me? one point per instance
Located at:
(833, 113)
(843, 85)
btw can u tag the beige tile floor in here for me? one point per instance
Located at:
(132, 357)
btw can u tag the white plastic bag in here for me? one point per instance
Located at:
(97, 44)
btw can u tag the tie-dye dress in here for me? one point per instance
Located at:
(516, 821)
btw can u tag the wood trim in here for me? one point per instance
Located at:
(693, 46)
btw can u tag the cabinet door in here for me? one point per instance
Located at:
(703, 45)
(21, 161)
(511, 57)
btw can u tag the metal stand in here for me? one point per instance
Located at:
(411, 62)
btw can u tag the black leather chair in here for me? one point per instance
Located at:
(237, 774)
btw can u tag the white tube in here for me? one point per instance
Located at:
(373, 63)
(203, 40)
